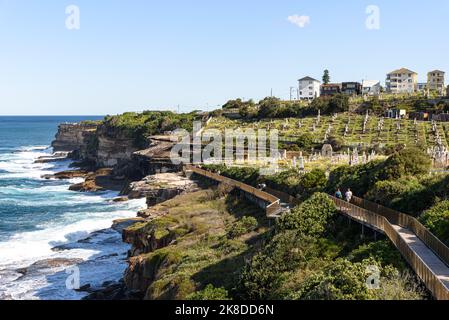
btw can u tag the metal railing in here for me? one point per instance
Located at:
(408, 222)
(381, 222)
(273, 203)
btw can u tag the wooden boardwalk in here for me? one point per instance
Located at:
(273, 206)
(439, 268)
(425, 253)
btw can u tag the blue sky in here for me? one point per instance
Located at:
(143, 54)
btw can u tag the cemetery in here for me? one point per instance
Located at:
(362, 138)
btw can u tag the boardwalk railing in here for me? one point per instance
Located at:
(273, 204)
(408, 222)
(382, 223)
(376, 216)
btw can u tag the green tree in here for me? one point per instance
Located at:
(311, 218)
(436, 219)
(341, 280)
(269, 107)
(286, 252)
(406, 162)
(326, 77)
(305, 141)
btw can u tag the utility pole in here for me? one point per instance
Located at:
(292, 89)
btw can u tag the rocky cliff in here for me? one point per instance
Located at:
(101, 146)
(76, 137)
(190, 242)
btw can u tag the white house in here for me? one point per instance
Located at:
(308, 89)
(371, 87)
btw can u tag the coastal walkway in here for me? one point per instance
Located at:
(424, 252)
(273, 206)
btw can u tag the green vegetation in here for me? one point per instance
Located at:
(243, 226)
(320, 258)
(311, 218)
(190, 254)
(436, 219)
(141, 125)
(409, 162)
(209, 293)
(326, 77)
(304, 133)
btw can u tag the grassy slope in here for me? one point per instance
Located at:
(202, 253)
(371, 137)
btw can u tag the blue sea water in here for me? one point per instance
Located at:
(37, 215)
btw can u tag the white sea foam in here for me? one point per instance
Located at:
(29, 247)
(103, 254)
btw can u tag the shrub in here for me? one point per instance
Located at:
(141, 125)
(436, 219)
(297, 183)
(246, 175)
(242, 226)
(305, 141)
(383, 251)
(237, 104)
(286, 252)
(311, 218)
(210, 293)
(359, 178)
(337, 143)
(341, 280)
(390, 192)
(406, 162)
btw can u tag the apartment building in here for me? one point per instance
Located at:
(435, 81)
(402, 81)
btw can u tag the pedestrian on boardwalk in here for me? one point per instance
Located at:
(348, 195)
(339, 194)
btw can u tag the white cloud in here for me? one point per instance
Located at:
(300, 21)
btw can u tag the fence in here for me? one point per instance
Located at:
(381, 222)
(273, 203)
(409, 222)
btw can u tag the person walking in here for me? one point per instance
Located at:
(339, 194)
(348, 195)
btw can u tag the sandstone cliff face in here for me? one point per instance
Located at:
(115, 147)
(74, 137)
(94, 143)
(105, 147)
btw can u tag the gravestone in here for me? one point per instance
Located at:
(327, 151)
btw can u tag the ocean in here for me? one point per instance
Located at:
(45, 229)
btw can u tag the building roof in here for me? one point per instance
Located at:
(437, 71)
(403, 70)
(331, 85)
(370, 83)
(308, 79)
